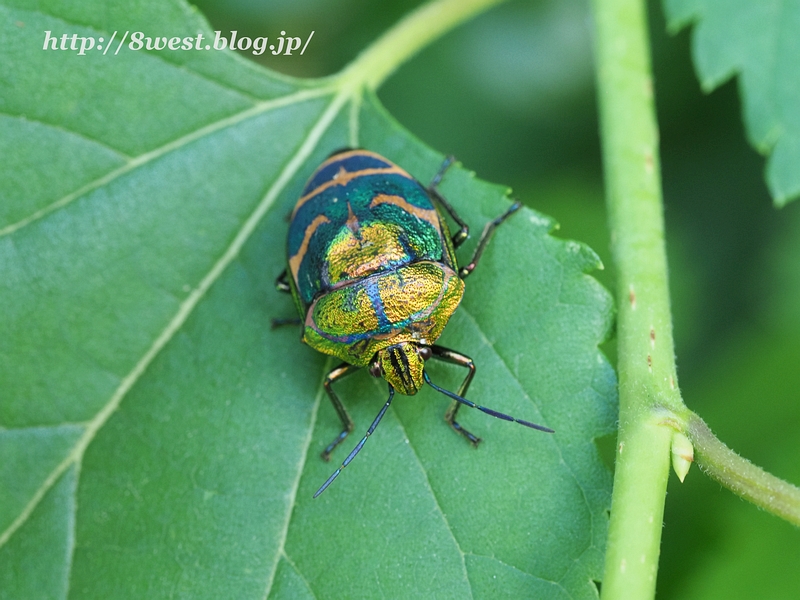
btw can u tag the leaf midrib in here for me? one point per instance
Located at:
(187, 306)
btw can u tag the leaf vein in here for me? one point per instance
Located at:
(437, 504)
(284, 534)
(184, 310)
(557, 584)
(299, 573)
(569, 468)
(55, 126)
(152, 155)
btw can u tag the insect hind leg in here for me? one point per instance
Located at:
(460, 236)
(464, 272)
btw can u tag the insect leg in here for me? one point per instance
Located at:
(463, 272)
(460, 236)
(455, 358)
(343, 370)
(282, 284)
(280, 322)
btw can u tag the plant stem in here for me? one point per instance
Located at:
(415, 31)
(741, 476)
(647, 376)
(651, 409)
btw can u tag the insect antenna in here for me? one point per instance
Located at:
(360, 444)
(488, 411)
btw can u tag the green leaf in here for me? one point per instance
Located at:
(758, 42)
(159, 439)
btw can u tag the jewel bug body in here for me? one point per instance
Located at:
(372, 264)
(373, 273)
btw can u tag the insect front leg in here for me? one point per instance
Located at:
(455, 358)
(343, 370)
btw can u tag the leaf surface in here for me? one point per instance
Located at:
(756, 41)
(159, 439)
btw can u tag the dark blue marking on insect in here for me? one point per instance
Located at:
(374, 295)
(351, 164)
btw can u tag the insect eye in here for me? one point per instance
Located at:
(425, 352)
(375, 369)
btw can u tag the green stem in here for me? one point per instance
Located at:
(651, 410)
(650, 402)
(741, 476)
(415, 31)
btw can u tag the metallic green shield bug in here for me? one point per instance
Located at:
(373, 272)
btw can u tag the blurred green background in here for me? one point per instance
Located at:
(511, 94)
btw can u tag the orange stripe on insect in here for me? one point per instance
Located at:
(426, 214)
(297, 259)
(343, 178)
